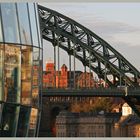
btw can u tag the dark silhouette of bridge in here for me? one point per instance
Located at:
(93, 52)
(104, 92)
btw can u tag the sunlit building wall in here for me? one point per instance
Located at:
(20, 69)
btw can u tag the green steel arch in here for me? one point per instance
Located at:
(88, 47)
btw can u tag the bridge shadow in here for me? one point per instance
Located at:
(50, 110)
(54, 112)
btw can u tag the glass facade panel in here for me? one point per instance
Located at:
(20, 70)
(1, 71)
(40, 77)
(24, 23)
(36, 71)
(1, 106)
(26, 74)
(1, 36)
(33, 24)
(9, 21)
(38, 27)
(33, 120)
(12, 73)
(23, 121)
(9, 120)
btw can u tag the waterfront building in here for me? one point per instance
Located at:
(20, 69)
(102, 124)
(70, 124)
(128, 124)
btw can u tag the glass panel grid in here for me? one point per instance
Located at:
(33, 24)
(10, 24)
(20, 69)
(12, 73)
(24, 23)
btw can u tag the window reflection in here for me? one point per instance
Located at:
(19, 70)
(26, 68)
(1, 36)
(36, 71)
(1, 71)
(35, 97)
(33, 120)
(33, 24)
(9, 120)
(12, 73)
(24, 23)
(23, 121)
(10, 26)
(1, 106)
(38, 27)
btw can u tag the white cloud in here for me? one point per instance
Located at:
(123, 36)
(131, 38)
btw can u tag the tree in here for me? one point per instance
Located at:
(103, 103)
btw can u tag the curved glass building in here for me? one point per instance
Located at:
(20, 70)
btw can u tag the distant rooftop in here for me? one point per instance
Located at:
(49, 61)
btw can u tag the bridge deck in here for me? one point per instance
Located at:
(108, 92)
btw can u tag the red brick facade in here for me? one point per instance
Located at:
(61, 80)
(82, 83)
(49, 75)
(50, 80)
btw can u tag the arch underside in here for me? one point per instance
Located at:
(89, 48)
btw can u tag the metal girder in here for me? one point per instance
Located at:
(105, 60)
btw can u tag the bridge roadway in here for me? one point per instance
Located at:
(97, 92)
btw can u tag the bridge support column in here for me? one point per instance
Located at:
(89, 69)
(120, 80)
(70, 70)
(55, 66)
(58, 63)
(74, 51)
(85, 76)
(105, 75)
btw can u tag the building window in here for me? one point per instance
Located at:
(26, 72)
(1, 71)
(9, 120)
(10, 24)
(33, 24)
(33, 121)
(12, 73)
(24, 23)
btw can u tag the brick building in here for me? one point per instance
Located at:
(49, 75)
(82, 83)
(62, 77)
(56, 79)
(65, 78)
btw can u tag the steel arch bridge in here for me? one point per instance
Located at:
(90, 49)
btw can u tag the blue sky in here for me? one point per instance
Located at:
(116, 23)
